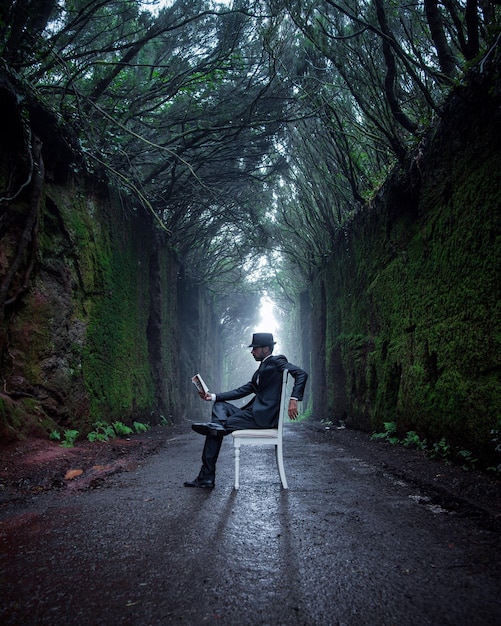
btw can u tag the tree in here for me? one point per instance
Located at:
(269, 123)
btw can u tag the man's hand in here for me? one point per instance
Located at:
(205, 396)
(293, 412)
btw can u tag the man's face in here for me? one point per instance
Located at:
(259, 352)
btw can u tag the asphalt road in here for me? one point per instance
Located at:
(348, 544)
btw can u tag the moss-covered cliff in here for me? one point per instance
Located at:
(412, 294)
(77, 346)
(91, 329)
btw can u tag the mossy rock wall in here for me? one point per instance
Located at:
(97, 323)
(78, 340)
(98, 336)
(412, 293)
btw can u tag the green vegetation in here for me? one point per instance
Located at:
(438, 450)
(121, 429)
(69, 437)
(389, 433)
(412, 440)
(104, 431)
(468, 460)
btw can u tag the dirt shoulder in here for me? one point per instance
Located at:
(470, 492)
(34, 466)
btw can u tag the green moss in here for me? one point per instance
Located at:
(115, 363)
(11, 420)
(104, 257)
(24, 417)
(413, 311)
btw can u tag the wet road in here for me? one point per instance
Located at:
(347, 544)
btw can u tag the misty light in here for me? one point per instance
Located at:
(268, 322)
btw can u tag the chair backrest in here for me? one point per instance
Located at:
(283, 401)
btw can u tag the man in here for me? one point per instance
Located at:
(261, 412)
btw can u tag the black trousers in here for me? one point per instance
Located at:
(232, 418)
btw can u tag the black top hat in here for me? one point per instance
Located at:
(262, 339)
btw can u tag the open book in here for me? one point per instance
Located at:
(199, 383)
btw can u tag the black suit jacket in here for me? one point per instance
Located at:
(266, 384)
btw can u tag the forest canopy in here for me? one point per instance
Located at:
(250, 130)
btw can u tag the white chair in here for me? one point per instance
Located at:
(264, 437)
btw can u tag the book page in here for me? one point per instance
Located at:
(199, 383)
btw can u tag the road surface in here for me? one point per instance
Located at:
(351, 543)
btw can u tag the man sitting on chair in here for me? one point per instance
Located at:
(261, 412)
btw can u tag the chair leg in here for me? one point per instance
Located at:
(237, 467)
(280, 463)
